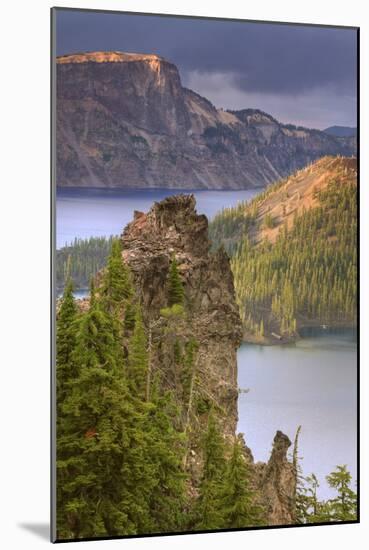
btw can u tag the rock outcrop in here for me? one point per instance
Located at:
(125, 120)
(276, 482)
(172, 228)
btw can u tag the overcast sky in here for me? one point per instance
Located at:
(298, 74)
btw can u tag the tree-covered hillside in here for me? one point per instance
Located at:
(81, 260)
(293, 250)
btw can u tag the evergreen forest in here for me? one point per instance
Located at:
(307, 275)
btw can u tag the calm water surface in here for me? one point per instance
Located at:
(102, 212)
(312, 383)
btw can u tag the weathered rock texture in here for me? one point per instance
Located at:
(276, 482)
(124, 120)
(172, 228)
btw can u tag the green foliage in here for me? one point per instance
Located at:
(175, 285)
(129, 316)
(94, 436)
(239, 508)
(344, 506)
(65, 342)
(230, 224)
(81, 260)
(188, 370)
(203, 405)
(219, 136)
(269, 221)
(116, 285)
(119, 458)
(208, 512)
(138, 358)
(310, 271)
(177, 352)
(176, 310)
(167, 446)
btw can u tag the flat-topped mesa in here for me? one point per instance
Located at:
(107, 57)
(125, 120)
(140, 95)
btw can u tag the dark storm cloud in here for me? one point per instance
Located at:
(273, 59)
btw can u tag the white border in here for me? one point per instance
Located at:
(24, 289)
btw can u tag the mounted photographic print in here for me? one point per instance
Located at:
(204, 179)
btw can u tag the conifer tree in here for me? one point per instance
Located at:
(208, 511)
(103, 481)
(312, 510)
(310, 270)
(138, 358)
(344, 506)
(166, 449)
(129, 316)
(65, 342)
(176, 290)
(239, 508)
(116, 285)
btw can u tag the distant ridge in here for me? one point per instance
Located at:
(124, 120)
(341, 131)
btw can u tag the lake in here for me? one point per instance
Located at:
(312, 383)
(87, 212)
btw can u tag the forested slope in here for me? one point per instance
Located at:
(80, 260)
(293, 250)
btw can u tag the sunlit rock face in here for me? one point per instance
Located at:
(125, 120)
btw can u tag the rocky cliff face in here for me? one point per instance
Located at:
(125, 120)
(172, 228)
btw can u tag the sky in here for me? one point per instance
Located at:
(303, 75)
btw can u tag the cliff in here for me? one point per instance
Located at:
(172, 228)
(125, 120)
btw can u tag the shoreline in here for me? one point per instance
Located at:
(269, 340)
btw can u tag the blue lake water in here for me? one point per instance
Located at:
(312, 383)
(102, 212)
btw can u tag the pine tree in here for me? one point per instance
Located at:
(314, 511)
(239, 508)
(65, 342)
(305, 272)
(138, 358)
(116, 284)
(176, 290)
(100, 441)
(302, 501)
(166, 449)
(208, 511)
(344, 506)
(129, 315)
